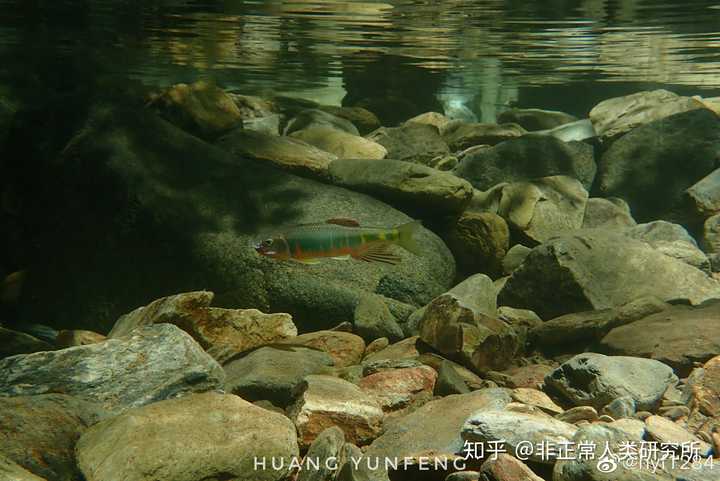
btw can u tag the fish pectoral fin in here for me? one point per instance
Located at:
(310, 262)
(379, 253)
(342, 258)
(347, 222)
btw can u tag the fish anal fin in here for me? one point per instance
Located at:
(342, 258)
(310, 262)
(343, 221)
(379, 253)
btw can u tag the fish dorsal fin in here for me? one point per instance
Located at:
(343, 221)
(379, 253)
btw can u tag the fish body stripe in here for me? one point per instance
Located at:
(335, 241)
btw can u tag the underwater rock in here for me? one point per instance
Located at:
(536, 119)
(670, 336)
(15, 342)
(373, 320)
(672, 240)
(201, 436)
(652, 175)
(150, 364)
(418, 189)
(663, 430)
(479, 242)
(258, 114)
(326, 450)
(166, 213)
(616, 116)
(223, 333)
(287, 153)
(537, 398)
(273, 373)
(14, 472)
(435, 119)
(345, 348)
(315, 118)
(77, 337)
(544, 208)
(705, 194)
(405, 349)
(435, 361)
(530, 376)
(449, 381)
(574, 131)
(340, 143)
(462, 135)
(411, 142)
(433, 428)
(703, 388)
(711, 234)
(505, 467)
(324, 401)
(592, 468)
(364, 120)
(201, 108)
(39, 433)
(577, 414)
(607, 213)
(598, 269)
(396, 389)
(596, 380)
(459, 326)
(516, 428)
(527, 158)
(514, 257)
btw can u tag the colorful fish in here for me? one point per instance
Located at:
(340, 239)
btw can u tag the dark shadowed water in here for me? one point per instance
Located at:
(564, 54)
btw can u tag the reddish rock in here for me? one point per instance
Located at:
(507, 468)
(397, 388)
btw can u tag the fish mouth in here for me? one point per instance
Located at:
(263, 250)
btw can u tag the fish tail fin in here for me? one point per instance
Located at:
(407, 237)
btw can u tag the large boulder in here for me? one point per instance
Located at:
(527, 158)
(203, 436)
(39, 433)
(595, 269)
(652, 166)
(415, 188)
(150, 364)
(679, 336)
(142, 210)
(412, 142)
(619, 115)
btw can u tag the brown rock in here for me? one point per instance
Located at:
(376, 346)
(530, 376)
(537, 398)
(346, 349)
(397, 388)
(479, 242)
(507, 468)
(363, 119)
(462, 135)
(663, 430)
(325, 401)
(405, 349)
(77, 337)
(342, 144)
(579, 413)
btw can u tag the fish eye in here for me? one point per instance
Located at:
(267, 242)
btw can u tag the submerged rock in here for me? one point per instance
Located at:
(273, 373)
(479, 242)
(678, 336)
(14, 342)
(672, 240)
(345, 348)
(165, 212)
(705, 194)
(652, 175)
(316, 118)
(505, 467)
(39, 433)
(596, 380)
(462, 135)
(597, 270)
(607, 213)
(616, 116)
(711, 234)
(148, 365)
(14, 472)
(418, 189)
(396, 389)
(536, 119)
(326, 450)
(324, 401)
(364, 120)
(526, 158)
(202, 436)
(340, 143)
(411, 142)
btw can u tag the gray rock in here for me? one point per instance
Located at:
(39, 433)
(514, 257)
(620, 408)
(705, 194)
(323, 451)
(544, 208)
(411, 187)
(572, 132)
(318, 118)
(269, 124)
(597, 270)
(363, 119)
(711, 234)
(149, 190)
(462, 135)
(411, 142)
(618, 115)
(515, 428)
(274, 372)
(148, 365)
(670, 336)
(202, 436)
(606, 213)
(12, 471)
(14, 342)
(672, 240)
(635, 428)
(449, 381)
(373, 320)
(536, 119)
(464, 476)
(526, 158)
(596, 380)
(652, 175)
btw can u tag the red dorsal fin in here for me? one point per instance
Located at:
(343, 221)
